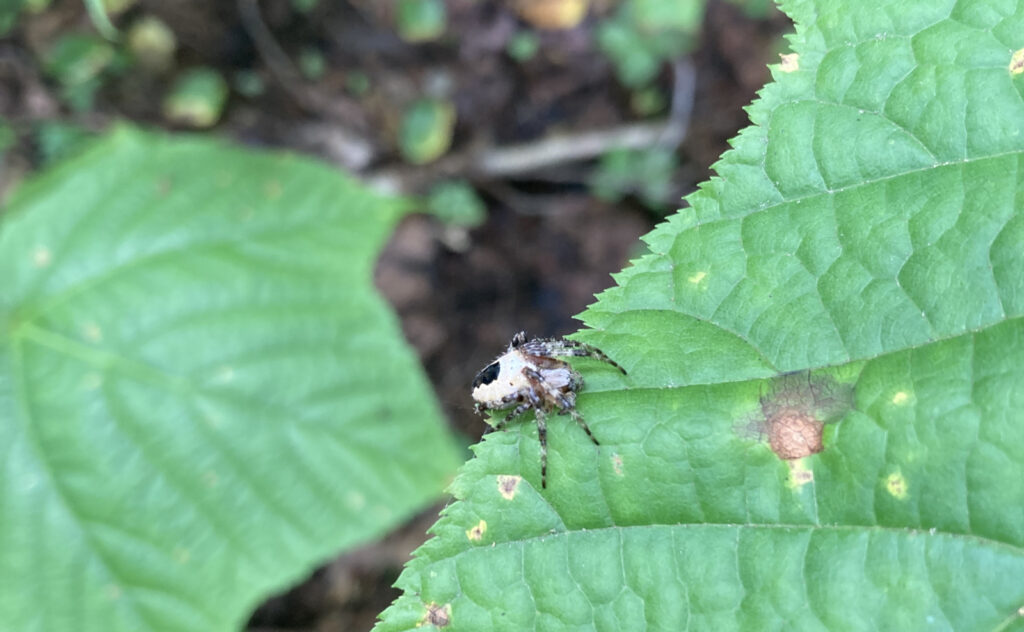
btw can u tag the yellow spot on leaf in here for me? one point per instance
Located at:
(900, 398)
(42, 257)
(790, 62)
(210, 478)
(477, 533)
(799, 474)
(507, 485)
(273, 189)
(697, 278)
(1017, 62)
(896, 485)
(113, 592)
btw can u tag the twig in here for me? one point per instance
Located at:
(287, 74)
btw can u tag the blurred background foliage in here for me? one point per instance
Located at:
(541, 138)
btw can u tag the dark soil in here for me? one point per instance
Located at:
(547, 245)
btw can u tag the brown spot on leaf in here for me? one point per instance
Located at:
(793, 434)
(436, 615)
(476, 533)
(794, 413)
(790, 62)
(507, 485)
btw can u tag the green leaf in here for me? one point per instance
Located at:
(201, 395)
(97, 10)
(426, 130)
(197, 98)
(420, 20)
(645, 33)
(79, 62)
(823, 422)
(9, 12)
(456, 203)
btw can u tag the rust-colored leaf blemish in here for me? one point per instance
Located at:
(794, 412)
(436, 615)
(507, 485)
(793, 434)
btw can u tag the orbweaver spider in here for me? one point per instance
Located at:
(529, 375)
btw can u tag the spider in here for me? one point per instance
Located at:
(530, 375)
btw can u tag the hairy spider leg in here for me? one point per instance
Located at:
(542, 436)
(569, 348)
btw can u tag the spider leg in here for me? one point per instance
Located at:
(520, 409)
(566, 401)
(570, 348)
(535, 402)
(542, 436)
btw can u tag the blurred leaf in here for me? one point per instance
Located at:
(456, 203)
(647, 173)
(641, 36)
(7, 137)
(201, 394)
(426, 130)
(152, 43)
(421, 20)
(312, 63)
(304, 6)
(552, 14)
(78, 61)
(58, 140)
(757, 9)
(197, 98)
(249, 83)
(823, 423)
(9, 12)
(100, 19)
(357, 83)
(523, 46)
(648, 101)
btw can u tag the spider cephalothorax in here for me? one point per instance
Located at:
(529, 375)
